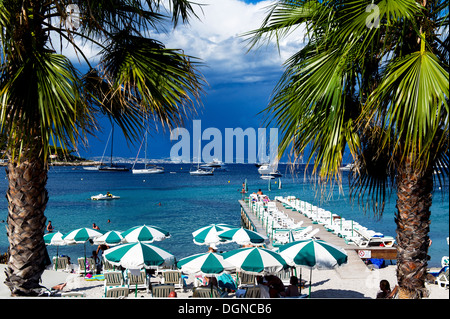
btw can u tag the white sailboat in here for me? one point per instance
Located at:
(112, 167)
(200, 171)
(148, 169)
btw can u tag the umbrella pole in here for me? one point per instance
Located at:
(85, 259)
(310, 280)
(56, 266)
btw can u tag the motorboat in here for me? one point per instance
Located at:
(214, 164)
(264, 169)
(104, 197)
(149, 169)
(267, 176)
(202, 172)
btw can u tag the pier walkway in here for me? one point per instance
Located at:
(355, 267)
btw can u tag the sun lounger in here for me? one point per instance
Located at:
(117, 292)
(138, 282)
(162, 290)
(113, 279)
(370, 238)
(172, 277)
(442, 279)
(61, 264)
(245, 280)
(206, 292)
(253, 292)
(86, 265)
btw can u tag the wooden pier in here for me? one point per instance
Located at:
(356, 255)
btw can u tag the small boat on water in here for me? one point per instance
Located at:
(149, 169)
(267, 176)
(104, 197)
(214, 164)
(113, 168)
(202, 172)
(347, 167)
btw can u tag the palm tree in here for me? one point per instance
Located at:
(371, 78)
(46, 101)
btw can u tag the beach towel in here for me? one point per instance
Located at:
(226, 281)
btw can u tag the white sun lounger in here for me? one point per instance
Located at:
(370, 238)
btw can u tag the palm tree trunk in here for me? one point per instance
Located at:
(413, 225)
(27, 200)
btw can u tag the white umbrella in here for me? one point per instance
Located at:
(110, 238)
(209, 235)
(205, 264)
(145, 234)
(137, 256)
(81, 236)
(255, 260)
(243, 236)
(312, 253)
(55, 239)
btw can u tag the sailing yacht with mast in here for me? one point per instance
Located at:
(148, 169)
(200, 171)
(112, 167)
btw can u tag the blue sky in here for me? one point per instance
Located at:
(240, 82)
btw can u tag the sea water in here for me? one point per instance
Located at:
(181, 204)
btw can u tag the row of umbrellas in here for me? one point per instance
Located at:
(137, 252)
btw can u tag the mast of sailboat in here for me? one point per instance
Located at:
(112, 142)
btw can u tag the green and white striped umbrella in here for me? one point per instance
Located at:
(54, 239)
(312, 253)
(209, 235)
(137, 256)
(110, 238)
(205, 264)
(242, 236)
(81, 235)
(145, 234)
(255, 260)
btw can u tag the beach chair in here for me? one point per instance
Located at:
(107, 266)
(61, 264)
(245, 280)
(86, 265)
(206, 292)
(370, 238)
(113, 279)
(172, 277)
(138, 282)
(442, 279)
(117, 292)
(253, 292)
(162, 290)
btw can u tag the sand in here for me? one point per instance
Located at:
(325, 284)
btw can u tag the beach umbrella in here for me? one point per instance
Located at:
(137, 256)
(110, 238)
(55, 239)
(205, 264)
(243, 236)
(255, 260)
(145, 234)
(209, 235)
(81, 236)
(313, 254)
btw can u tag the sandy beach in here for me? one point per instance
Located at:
(325, 284)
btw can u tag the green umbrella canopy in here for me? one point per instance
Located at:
(145, 234)
(255, 260)
(209, 234)
(205, 264)
(137, 256)
(243, 236)
(110, 238)
(313, 253)
(81, 235)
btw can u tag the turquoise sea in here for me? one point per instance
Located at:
(190, 202)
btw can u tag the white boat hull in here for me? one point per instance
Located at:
(148, 171)
(201, 172)
(104, 197)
